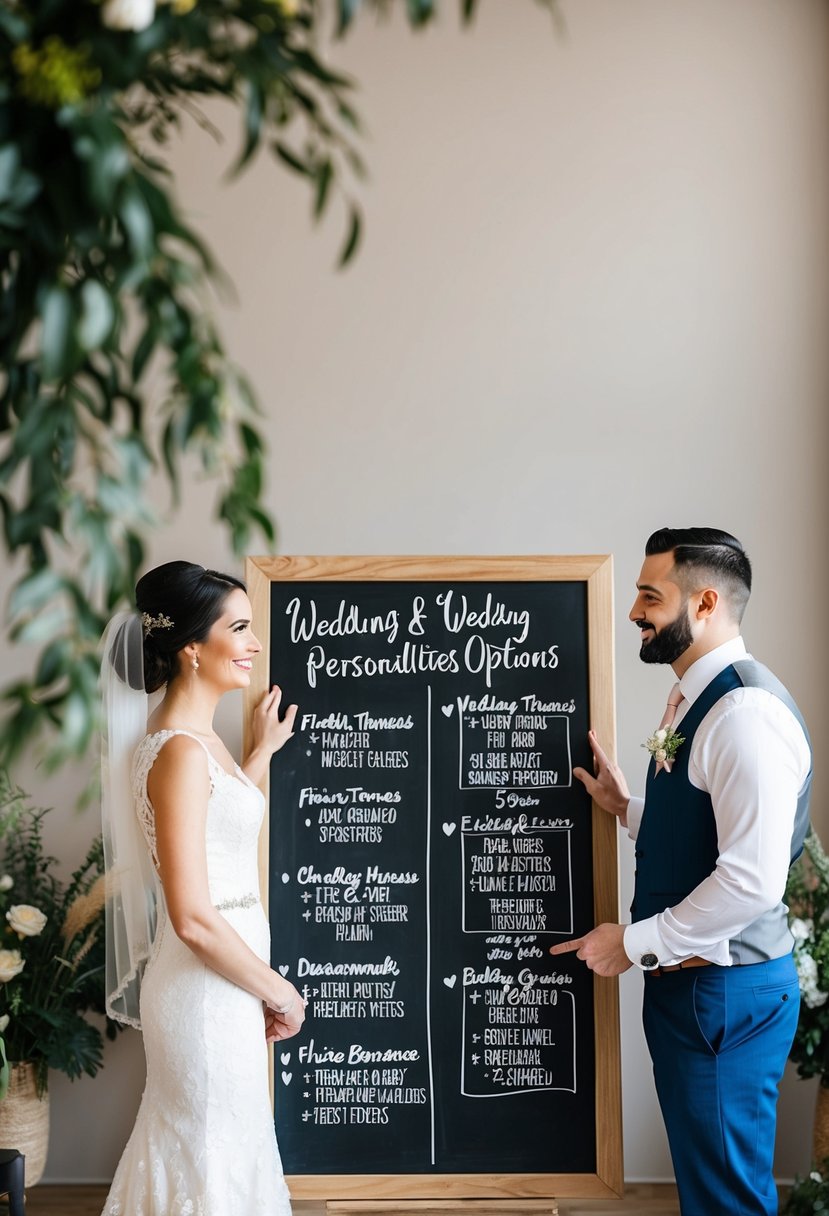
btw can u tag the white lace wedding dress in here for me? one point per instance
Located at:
(203, 1142)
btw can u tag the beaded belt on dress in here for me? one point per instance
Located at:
(243, 901)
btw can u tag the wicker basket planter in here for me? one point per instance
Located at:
(24, 1120)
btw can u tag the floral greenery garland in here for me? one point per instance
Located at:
(102, 280)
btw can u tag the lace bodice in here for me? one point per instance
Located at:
(234, 817)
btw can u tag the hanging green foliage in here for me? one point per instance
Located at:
(104, 290)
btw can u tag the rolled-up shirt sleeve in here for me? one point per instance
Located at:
(751, 755)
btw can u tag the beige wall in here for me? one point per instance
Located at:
(593, 299)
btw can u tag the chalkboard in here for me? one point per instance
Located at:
(427, 842)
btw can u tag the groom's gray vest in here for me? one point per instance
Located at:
(677, 843)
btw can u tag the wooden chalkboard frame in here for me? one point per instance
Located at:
(596, 572)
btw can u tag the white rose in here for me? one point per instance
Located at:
(11, 964)
(128, 14)
(4, 1021)
(801, 929)
(815, 998)
(660, 754)
(6, 882)
(815, 1176)
(26, 920)
(660, 735)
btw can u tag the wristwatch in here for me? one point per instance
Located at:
(648, 961)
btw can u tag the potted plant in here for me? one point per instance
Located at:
(51, 968)
(807, 894)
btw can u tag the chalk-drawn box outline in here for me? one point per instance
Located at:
(509, 1093)
(559, 785)
(523, 932)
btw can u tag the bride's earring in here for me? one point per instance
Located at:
(195, 664)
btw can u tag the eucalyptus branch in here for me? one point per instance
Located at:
(102, 277)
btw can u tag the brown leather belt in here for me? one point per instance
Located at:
(693, 961)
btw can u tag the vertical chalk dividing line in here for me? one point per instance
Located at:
(429, 916)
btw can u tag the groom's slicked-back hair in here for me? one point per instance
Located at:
(709, 554)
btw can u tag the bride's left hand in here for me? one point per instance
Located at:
(271, 732)
(274, 1029)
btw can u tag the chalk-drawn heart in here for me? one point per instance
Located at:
(284, 968)
(286, 878)
(447, 709)
(449, 828)
(287, 1078)
(285, 1057)
(450, 980)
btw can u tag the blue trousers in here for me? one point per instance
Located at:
(719, 1038)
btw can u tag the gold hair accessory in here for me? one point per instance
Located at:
(155, 622)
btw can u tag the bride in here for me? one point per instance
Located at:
(187, 937)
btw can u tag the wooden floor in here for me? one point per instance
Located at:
(89, 1201)
(640, 1200)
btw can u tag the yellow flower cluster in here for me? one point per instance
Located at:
(55, 74)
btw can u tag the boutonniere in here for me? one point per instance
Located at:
(663, 746)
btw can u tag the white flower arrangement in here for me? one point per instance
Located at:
(663, 745)
(803, 932)
(807, 894)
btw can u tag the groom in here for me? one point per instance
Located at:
(715, 835)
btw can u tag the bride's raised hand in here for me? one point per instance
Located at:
(269, 730)
(270, 733)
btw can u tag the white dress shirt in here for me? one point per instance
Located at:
(751, 755)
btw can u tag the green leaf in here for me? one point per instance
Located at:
(54, 662)
(97, 315)
(74, 1047)
(251, 439)
(43, 627)
(325, 176)
(33, 591)
(136, 218)
(346, 11)
(352, 240)
(254, 112)
(144, 349)
(292, 160)
(77, 721)
(420, 11)
(13, 24)
(56, 337)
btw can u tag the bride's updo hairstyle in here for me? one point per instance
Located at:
(179, 602)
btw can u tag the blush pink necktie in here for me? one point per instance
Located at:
(675, 699)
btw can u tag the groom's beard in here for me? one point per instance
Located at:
(671, 641)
